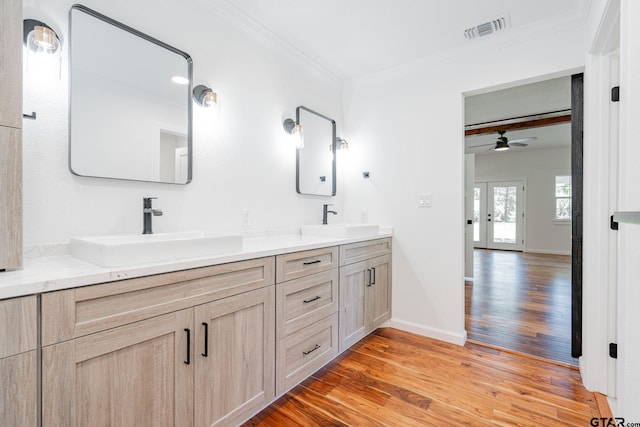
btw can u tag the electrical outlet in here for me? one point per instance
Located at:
(245, 217)
(424, 200)
(364, 216)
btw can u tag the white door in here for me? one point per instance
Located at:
(480, 215)
(469, 162)
(499, 215)
(182, 165)
(505, 215)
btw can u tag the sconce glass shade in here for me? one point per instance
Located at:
(342, 144)
(205, 96)
(295, 130)
(39, 37)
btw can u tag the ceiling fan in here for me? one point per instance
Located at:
(503, 143)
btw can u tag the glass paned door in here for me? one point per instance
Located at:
(498, 220)
(505, 215)
(480, 215)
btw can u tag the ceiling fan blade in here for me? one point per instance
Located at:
(518, 144)
(483, 145)
(529, 138)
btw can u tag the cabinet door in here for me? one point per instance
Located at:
(18, 384)
(353, 322)
(378, 305)
(235, 346)
(11, 63)
(140, 374)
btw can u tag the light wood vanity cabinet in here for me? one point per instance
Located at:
(18, 362)
(10, 134)
(306, 314)
(133, 352)
(365, 289)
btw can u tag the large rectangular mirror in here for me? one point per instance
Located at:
(316, 164)
(130, 103)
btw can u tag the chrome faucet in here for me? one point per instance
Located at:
(325, 211)
(147, 213)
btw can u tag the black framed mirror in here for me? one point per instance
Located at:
(316, 159)
(130, 112)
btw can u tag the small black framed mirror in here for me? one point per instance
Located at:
(316, 159)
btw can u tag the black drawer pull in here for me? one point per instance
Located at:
(206, 339)
(373, 277)
(317, 346)
(188, 361)
(312, 262)
(316, 298)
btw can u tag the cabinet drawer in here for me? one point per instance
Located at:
(304, 352)
(77, 312)
(356, 252)
(300, 264)
(303, 301)
(18, 325)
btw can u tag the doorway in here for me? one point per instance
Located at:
(498, 215)
(529, 281)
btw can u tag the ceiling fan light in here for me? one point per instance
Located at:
(501, 146)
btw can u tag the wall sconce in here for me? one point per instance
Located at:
(295, 130)
(342, 144)
(39, 37)
(205, 96)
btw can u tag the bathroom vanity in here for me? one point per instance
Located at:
(198, 342)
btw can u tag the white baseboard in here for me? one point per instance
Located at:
(544, 251)
(425, 331)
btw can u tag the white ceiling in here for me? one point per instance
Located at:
(351, 38)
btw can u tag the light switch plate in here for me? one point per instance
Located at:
(424, 200)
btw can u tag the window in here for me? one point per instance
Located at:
(563, 198)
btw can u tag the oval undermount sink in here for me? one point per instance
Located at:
(115, 251)
(340, 230)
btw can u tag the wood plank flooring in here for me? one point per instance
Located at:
(521, 301)
(395, 378)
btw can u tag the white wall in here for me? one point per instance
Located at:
(406, 128)
(240, 158)
(538, 168)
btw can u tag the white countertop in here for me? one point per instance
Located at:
(45, 274)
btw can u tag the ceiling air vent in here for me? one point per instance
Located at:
(485, 29)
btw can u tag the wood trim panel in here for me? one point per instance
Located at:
(293, 313)
(18, 390)
(549, 121)
(11, 63)
(361, 251)
(300, 264)
(10, 192)
(76, 312)
(18, 325)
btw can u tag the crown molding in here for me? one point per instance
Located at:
(258, 32)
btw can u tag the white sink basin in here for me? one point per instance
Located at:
(114, 251)
(340, 230)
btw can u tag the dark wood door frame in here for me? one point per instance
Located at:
(577, 113)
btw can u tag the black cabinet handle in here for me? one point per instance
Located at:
(373, 280)
(188, 361)
(369, 270)
(316, 298)
(206, 339)
(317, 346)
(312, 262)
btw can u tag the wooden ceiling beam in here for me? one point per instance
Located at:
(535, 123)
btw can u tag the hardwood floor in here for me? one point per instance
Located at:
(521, 301)
(395, 378)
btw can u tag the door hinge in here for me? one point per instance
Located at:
(615, 94)
(613, 224)
(613, 350)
